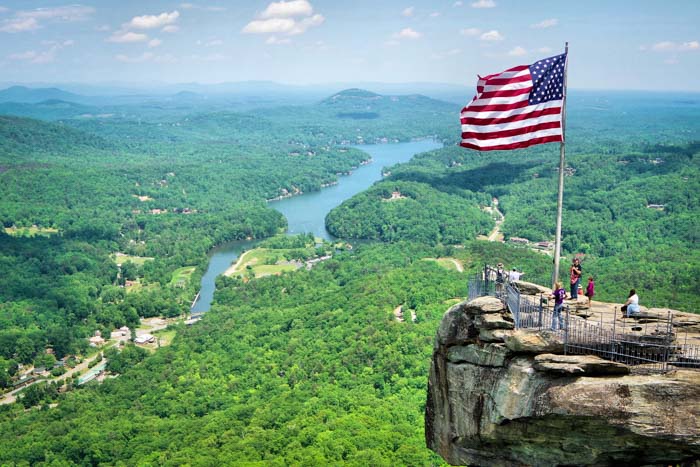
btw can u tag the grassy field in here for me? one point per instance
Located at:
(259, 262)
(121, 258)
(32, 231)
(448, 263)
(165, 336)
(181, 276)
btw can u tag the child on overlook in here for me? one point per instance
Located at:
(590, 290)
(559, 295)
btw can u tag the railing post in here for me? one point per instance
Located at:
(566, 331)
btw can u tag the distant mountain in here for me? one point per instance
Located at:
(52, 109)
(355, 98)
(27, 95)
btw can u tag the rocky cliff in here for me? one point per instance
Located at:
(499, 396)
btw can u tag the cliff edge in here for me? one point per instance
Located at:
(506, 397)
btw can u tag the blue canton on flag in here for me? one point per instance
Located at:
(547, 79)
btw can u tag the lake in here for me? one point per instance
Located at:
(307, 213)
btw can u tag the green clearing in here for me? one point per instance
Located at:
(262, 262)
(121, 258)
(137, 286)
(165, 336)
(447, 263)
(32, 231)
(181, 276)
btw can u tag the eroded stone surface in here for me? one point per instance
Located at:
(522, 402)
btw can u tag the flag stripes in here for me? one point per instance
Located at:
(517, 108)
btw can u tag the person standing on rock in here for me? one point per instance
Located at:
(514, 275)
(500, 277)
(575, 276)
(590, 290)
(558, 295)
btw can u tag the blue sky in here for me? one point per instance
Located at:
(613, 44)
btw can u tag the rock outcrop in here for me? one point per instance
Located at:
(499, 396)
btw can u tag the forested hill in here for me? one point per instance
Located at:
(26, 138)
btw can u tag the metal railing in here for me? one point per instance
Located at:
(652, 346)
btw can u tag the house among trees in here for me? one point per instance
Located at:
(145, 339)
(97, 340)
(519, 240)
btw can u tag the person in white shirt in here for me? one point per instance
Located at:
(631, 306)
(514, 275)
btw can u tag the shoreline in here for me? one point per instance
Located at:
(231, 270)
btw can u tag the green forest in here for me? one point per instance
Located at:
(309, 367)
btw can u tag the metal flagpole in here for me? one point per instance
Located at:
(560, 198)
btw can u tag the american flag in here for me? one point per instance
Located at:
(517, 108)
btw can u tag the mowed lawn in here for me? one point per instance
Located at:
(32, 231)
(262, 262)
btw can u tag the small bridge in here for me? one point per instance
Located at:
(651, 343)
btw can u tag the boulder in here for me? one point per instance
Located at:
(535, 342)
(494, 335)
(493, 321)
(489, 355)
(482, 305)
(578, 365)
(456, 327)
(529, 288)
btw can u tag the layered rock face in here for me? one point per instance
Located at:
(499, 396)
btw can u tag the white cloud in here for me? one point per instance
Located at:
(408, 33)
(544, 50)
(547, 23)
(671, 61)
(193, 6)
(61, 13)
(517, 52)
(103, 28)
(491, 36)
(668, 46)
(434, 14)
(127, 37)
(287, 9)
(306, 23)
(213, 43)
(470, 31)
(154, 43)
(3, 9)
(170, 28)
(273, 40)
(153, 21)
(457, 3)
(282, 18)
(43, 56)
(268, 26)
(484, 4)
(19, 25)
(29, 20)
(392, 43)
(25, 56)
(408, 11)
(144, 57)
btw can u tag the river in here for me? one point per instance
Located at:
(307, 212)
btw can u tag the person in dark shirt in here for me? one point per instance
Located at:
(576, 271)
(558, 295)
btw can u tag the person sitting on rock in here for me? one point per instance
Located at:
(631, 306)
(558, 295)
